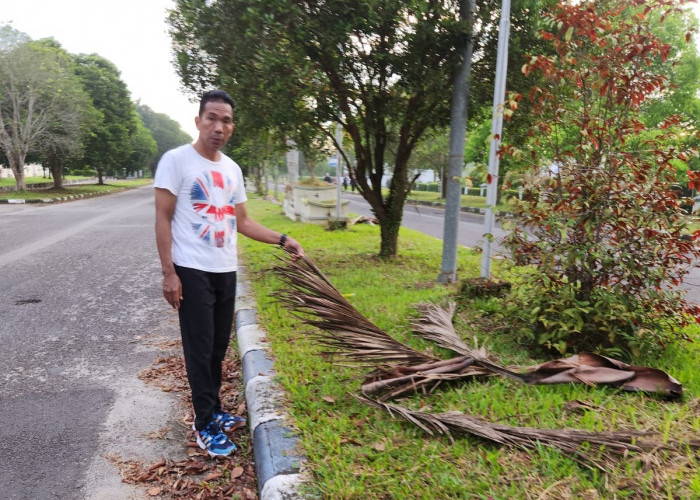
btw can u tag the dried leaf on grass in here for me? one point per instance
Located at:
(435, 323)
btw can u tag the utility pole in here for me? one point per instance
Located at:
(458, 129)
(499, 93)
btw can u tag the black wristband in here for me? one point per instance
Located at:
(283, 240)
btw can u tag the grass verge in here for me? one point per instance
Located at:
(85, 189)
(354, 451)
(466, 200)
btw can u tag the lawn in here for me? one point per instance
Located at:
(37, 180)
(354, 451)
(85, 189)
(466, 200)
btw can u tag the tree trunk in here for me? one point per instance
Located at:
(258, 176)
(56, 169)
(389, 230)
(100, 179)
(17, 167)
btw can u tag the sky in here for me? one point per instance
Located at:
(132, 34)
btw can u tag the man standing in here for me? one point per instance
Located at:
(200, 207)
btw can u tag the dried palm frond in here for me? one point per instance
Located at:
(401, 380)
(435, 323)
(340, 326)
(591, 449)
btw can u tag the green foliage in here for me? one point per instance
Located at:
(600, 219)
(165, 131)
(427, 186)
(354, 452)
(382, 69)
(143, 146)
(43, 107)
(108, 147)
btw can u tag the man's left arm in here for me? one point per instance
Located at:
(252, 229)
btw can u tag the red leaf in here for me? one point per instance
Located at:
(489, 179)
(687, 37)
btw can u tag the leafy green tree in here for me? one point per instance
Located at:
(601, 229)
(381, 69)
(63, 139)
(431, 154)
(143, 146)
(42, 104)
(109, 143)
(167, 132)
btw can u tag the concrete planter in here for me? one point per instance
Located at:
(314, 204)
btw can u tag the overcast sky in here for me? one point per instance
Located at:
(130, 33)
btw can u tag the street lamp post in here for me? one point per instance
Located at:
(499, 92)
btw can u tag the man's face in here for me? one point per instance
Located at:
(215, 124)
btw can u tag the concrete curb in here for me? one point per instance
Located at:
(49, 200)
(275, 446)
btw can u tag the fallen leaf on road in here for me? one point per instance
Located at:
(155, 491)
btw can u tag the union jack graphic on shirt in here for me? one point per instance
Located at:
(213, 198)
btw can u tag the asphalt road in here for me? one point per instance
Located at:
(430, 220)
(80, 316)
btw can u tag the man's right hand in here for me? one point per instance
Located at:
(172, 290)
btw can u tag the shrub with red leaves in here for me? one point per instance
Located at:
(600, 230)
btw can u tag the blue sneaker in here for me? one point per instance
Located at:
(226, 421)
(214, 441)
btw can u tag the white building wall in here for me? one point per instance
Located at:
(30, 170)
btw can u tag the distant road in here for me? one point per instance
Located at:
(430, 221)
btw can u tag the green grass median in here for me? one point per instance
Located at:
(355, 451)
(77, 189)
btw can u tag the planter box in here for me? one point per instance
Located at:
(315, 204)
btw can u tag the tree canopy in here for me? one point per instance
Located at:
(381, 69)
(42, 103)
(166, 132)
(107, 147)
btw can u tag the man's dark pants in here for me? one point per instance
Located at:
(206, 318)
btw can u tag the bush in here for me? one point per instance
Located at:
(602, 238)
(433, 187)
(85, 171)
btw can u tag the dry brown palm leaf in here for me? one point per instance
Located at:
(592, 449)
(435, 323)
(386, 384)
(593, 369)
(340, 326)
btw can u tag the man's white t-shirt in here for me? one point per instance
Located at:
(204, 224)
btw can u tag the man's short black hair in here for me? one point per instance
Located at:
(215, 95)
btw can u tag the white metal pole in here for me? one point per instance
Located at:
(338, 170)
(499, 92)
